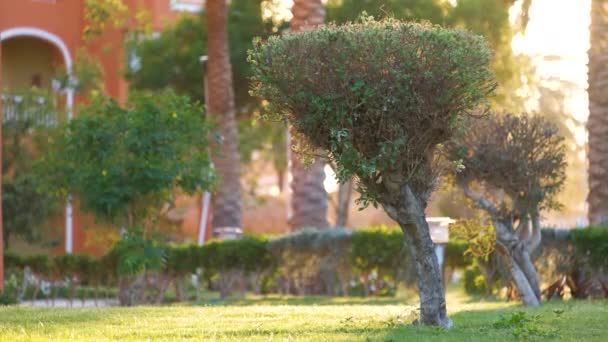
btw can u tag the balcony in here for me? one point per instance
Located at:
(34, 108)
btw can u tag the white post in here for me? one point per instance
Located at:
(202, 227)
(69, 215)
(69, 226)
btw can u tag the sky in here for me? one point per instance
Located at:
(560, 28)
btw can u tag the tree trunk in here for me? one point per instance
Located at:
(131, 290)
(519, 263)
(409, 213)
(597, 123)
(220, 105)
(521, 281)
(309, 199)
(344, 194)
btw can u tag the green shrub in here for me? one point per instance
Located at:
(592, 243)
(473, 280)
(378, 248)
(10, 294)
(313, 260)
(455, 254)
(134, 254)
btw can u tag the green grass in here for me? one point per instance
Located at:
(308, 319)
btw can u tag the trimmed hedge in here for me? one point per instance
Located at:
(336, 261)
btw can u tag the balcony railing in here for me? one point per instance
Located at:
(35, 108)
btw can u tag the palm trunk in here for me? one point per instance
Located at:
(309, 199)
(409, 213)
(220, 105)
(344, 193)
(597, 123)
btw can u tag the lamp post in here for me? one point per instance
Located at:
(206, 199)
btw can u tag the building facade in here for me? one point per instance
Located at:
(40, 38)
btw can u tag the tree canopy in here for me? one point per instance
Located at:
(378, 96)
(123, 161)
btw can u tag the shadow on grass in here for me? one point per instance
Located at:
(555, 320)
(305, 300)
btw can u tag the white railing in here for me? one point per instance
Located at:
(39, 110)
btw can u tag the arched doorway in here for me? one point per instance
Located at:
(29, 56)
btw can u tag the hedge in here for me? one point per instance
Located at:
(337, 261)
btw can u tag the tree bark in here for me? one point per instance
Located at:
(597, 123)
(523, 286)
(409, 213)
(309, 199)
(220, 105)
(518, 262)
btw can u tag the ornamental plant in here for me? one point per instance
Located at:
(512, 167)
(380, 97)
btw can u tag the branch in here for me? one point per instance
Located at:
(533, 240)
(481, 202)
(523, 228)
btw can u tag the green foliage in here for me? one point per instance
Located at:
(473, 280)
(137, 254)
(523, 326)
(25, 210)
(592, 243)
(455, 254)
(172, 59)
(123, 162)
(28, 117)
(522, 156)
(248, 254)
(101, 14)
(181, 259)
(480, 236)
(85, 77)
(342, 11)
(9, 295)
(378, 249)
(390, 92)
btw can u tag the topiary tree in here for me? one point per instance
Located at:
(512, 168)
(380, 98)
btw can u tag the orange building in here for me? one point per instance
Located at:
(41, 37)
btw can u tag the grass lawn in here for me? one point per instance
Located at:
(308, 319)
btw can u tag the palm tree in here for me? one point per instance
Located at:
(309, 199)
(220, 105)
(597, 124)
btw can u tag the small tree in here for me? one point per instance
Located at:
(124, 162)
(380, 98)
(513, 167)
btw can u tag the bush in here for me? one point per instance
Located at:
(455, 256)
(231, 261)
(313, 261)
(10, 294)
(592, 243)
(380, 251)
